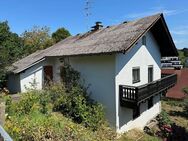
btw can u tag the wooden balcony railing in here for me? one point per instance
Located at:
(131, 96)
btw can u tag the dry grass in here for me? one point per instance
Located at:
(137, 135)
(176, 111)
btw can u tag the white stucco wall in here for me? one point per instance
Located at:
(139, 56)
(98, 73)
(35, 72)
(27, 78)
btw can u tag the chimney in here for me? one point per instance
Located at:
(97, 26)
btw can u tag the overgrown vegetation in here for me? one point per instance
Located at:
(33, 118)
(173, 120)
(59, 112)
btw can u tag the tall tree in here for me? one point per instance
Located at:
(10, 49)
(37, 38)
(60, 34)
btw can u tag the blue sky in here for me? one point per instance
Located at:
(24, 14)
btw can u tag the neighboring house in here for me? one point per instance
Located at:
(121, 63)
(172, 62)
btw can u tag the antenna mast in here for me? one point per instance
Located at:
(87, 12)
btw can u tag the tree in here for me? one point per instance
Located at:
(11, 47)
(60, 34)
(37, 38)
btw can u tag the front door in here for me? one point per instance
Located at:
(48, 74)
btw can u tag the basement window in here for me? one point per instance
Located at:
(150, 102)
(136, 74)
(144, 40)
(136, 112)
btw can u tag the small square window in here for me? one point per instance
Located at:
(136, 112)
(136, 74)
(144, 40)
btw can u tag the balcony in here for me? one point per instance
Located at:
(132, 96)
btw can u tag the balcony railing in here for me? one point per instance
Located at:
(131, 96)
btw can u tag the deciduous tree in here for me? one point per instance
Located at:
(60, 34)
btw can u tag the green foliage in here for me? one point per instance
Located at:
(10, 50)
(69, 76)
(75, 103)
(32, 117)
(27, 102)
(80, 108)
(37, 38)
(60, 34)
(163, 119)
(182, 54)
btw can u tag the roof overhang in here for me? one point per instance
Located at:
(163, 37)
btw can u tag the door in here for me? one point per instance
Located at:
(48, 74)
(150, 74)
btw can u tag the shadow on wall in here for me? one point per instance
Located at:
(129, 116)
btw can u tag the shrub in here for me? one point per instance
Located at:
(163, 119)
(55, 91)
(27, 101)
(80, 108)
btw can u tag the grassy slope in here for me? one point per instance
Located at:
(176, 111)
(67, 128)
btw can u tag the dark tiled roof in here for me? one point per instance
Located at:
(111, 39)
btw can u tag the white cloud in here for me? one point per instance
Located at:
(181, 30)
(155, 10)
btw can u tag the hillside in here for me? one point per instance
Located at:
(183, 54)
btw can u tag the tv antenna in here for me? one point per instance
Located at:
(87, 12)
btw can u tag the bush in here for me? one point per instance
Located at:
(27, 102)
(163, 119)
(80, 108)
(74, 102)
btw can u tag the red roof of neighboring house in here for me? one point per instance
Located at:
(182, 82)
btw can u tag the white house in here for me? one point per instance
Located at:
(122, 64)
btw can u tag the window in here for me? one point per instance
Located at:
(150, 74)
(136, 112)
(136, 74)
(150, 102)
(144, 40)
